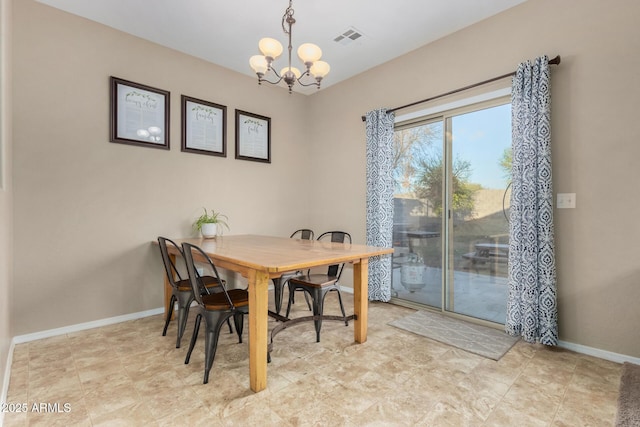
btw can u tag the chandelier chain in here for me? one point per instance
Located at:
(288, 18)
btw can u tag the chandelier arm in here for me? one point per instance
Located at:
(269, 81)
(316, 83)
(273, 70)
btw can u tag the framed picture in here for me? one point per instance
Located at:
(204, 127)
(253, 137)
(139, 114)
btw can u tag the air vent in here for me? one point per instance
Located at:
(348, 36)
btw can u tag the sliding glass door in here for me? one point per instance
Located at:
(480, 164)
(451, 211)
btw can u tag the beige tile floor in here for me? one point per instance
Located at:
(129, 375)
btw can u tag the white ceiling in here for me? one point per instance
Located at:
(227, 32)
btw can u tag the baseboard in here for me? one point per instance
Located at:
(601, 354)
(19, 339)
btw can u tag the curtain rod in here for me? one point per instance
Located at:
(554, 61)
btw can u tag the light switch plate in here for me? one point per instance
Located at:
(566, 201)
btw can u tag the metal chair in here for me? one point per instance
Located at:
(318, 285)
(216, 308)
(279, 282)
(181, 291)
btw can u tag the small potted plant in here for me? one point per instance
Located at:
(210, 223)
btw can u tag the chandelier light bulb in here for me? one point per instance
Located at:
(270, 47)
(294, 70)
(319, 69)
(309, 53)
(259, 64)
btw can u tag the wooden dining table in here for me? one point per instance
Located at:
(261, 258)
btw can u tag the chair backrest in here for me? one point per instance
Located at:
(169, 265)
(337, 237)
(194, 277)
(303, 233)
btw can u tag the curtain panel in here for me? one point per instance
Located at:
(532, 305)
(379, 128)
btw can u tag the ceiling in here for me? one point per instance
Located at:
(226, 33)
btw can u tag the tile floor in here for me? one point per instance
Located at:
(129, 375)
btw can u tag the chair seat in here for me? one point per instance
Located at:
(218, 301)
(208, 281)
(314, 280)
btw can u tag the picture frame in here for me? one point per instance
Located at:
(253, 137)
(204, 127)
(139, 114)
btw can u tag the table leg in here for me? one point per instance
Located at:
(361, 299)
(258, 317)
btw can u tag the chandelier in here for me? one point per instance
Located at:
(308, 53)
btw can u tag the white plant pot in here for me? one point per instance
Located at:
(210, 230)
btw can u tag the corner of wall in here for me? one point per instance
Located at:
(6, 198)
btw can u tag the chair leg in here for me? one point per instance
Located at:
(306, 298)
(277, 290)
(292, 290)
(230, 328)
(344, 315)
(210, 346)
(214, 324)
(183, 315)
(238, 319)
(172, 302)
(318, 308)
(292, 299)
(194, 338)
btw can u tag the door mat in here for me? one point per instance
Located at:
(481, 340)
(629, 399)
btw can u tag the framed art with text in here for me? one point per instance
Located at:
(204, 127)
(253, 137)
(139, 114)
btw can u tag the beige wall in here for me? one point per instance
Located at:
(72, 185)
(86, 209)
(6, 193)
(595, 133)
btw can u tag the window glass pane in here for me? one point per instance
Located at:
(480, 170)
(417, 272)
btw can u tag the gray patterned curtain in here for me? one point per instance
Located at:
(532, 307)
(379, 199)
